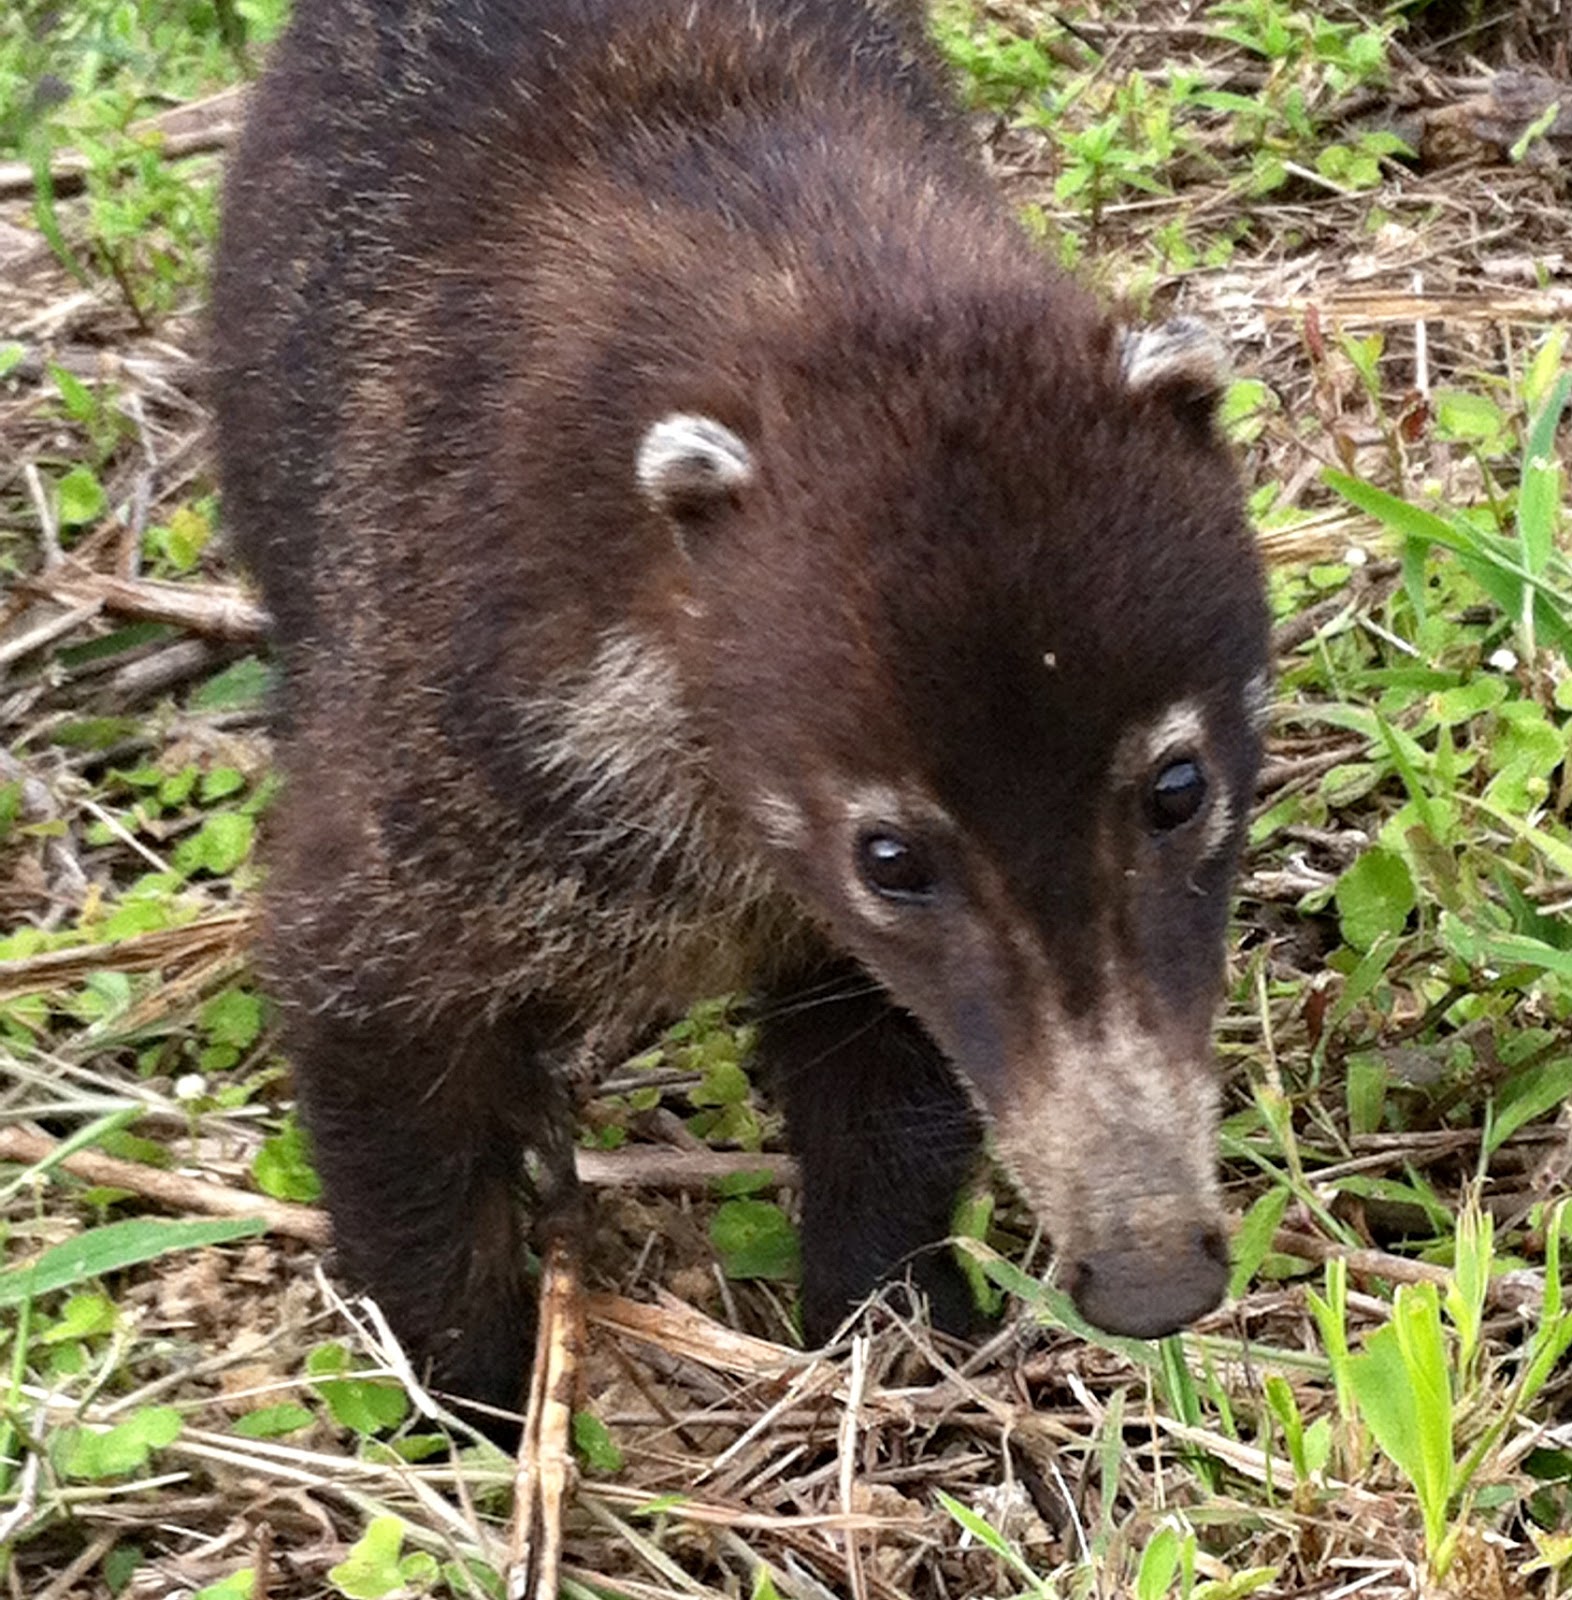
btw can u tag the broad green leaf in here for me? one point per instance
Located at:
(269, 1422)
(89, 1453)
(282, 1166)
(224, 781)
(233, 1017)
(755, 1239)
(246, 683)
(366, 1406)
(1243, 410)
(1468, 700)
(1253, 1241)
(114, 1246)
(1374, 897)
(241, 1585)
(724, 1084)
(1159, 1564)
(1463, 414)
(371, 1569)
(80, 497)
(1527, 749)
(218, 846)
(1401, 1385)
(83, 1316)
(595, 1446)
(121, 1565)
(1528, 1095)
(94, 733)
(734, 1185)
(185, 537)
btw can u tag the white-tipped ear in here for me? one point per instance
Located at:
(688, 464)
(1182, 357)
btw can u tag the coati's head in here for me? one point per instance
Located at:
(977, 629)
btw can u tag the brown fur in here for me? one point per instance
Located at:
(564, 754)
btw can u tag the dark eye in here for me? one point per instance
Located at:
(895, 867)
(1177, 794)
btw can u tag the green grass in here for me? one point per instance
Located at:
(1398, 1039)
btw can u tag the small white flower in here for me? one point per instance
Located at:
(1355, 556)
(190, 1086)
(1503, 660)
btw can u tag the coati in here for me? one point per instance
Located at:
(710, 550)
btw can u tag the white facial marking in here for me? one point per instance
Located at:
(883, 802)
(782, 819)
(686, 456)
(1182, 351)
(1219, 824)
(1179, 731)
(624, 712)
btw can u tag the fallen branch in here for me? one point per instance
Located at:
(679, 1169)
(170, 1189)
(627, 1169)
(545, 1470)
(186, 130)
(650, 1167)
(1362, 1263)
(210, 610)
(208, 938)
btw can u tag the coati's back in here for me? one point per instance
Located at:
(710, 549)
(434, 197)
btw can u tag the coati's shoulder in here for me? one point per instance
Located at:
(661, 61)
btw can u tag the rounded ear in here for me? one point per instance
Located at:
(1181, 361)
(690, 465)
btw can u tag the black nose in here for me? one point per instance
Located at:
(1146, 1293)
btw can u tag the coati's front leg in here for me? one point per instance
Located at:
(419, 1136)
(885, 1137)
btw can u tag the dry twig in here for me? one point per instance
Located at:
(545, 1458)
(213, 611)
(171, 1189)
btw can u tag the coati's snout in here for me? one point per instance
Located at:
(1111, 1133)
(1148, 1293)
